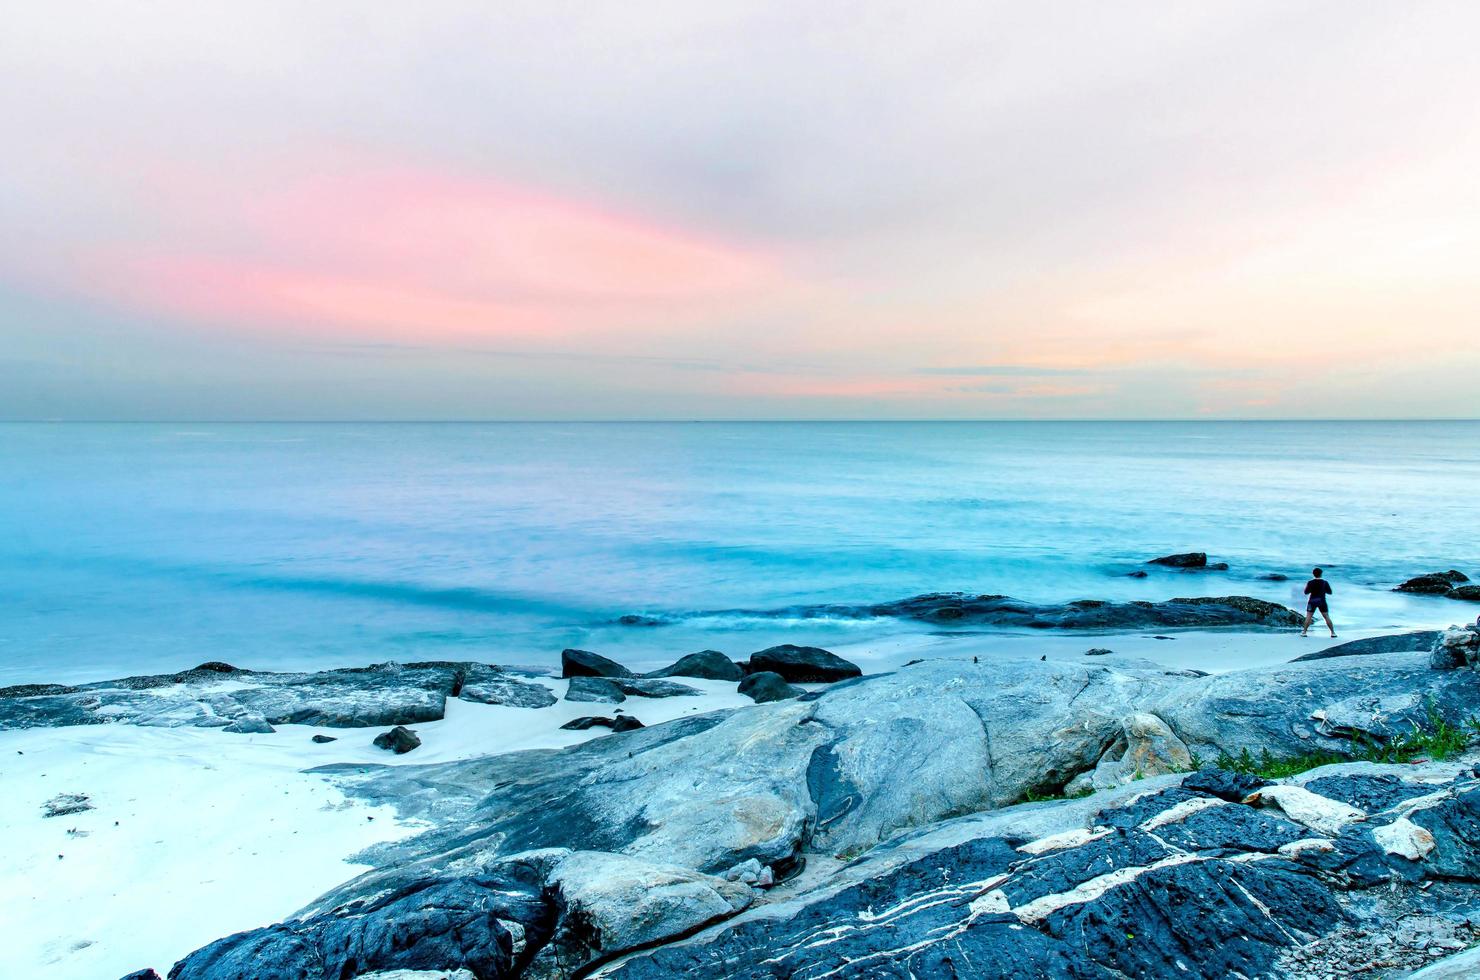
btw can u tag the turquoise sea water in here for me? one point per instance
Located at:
(134, 547)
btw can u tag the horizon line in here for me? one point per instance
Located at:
(715, 421)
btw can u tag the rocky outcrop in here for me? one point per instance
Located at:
(584, 663)
(222, 696)
(1190, 559)
(706, 664)
(885, 810)
(1467, 593)
(1456, 647)
(802, 665)
(614, 690)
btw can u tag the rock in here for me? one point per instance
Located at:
(417, 975)
(324, 739)
(706, 664)
(1145, 747)
(142, 975)
(1323, 815)
(1467, 593)
(1420, 640)
(1455, 648)
(767, 686)
(359, 697)
(1138, 573)
(1433, 583)
(584, 663)
(1191, 559)
(652, 688)
(1405, 839)
(585, 688)
(399, 740)
(1274, 577)
(1223, 784)
(1098, 652)
(621, 723)
(250, 725)
(802, 665)
(66, 804)
(496, 687)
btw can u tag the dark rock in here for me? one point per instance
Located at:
(217, 667)
(1221, 566)
(1098, 652)
(1274, 577)
(1467, 593)
(1223, 783)
(324, 739)
(1372, 792)
(1397, 643)
(1191, 559)
(399, 740)
(621, 723)
(594, 689)
(1138, 573)
(483, 685)
(142, 975)
(35, 690)
(250, 725)
(994, 610)
(802, 665)
(584, 663)
(1433, 583)
(768, 686)
(706, 664)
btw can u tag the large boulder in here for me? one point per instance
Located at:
(1433, 583)
(766, 686)
(706, 664)
(399, 740)
(584, 663)
(1146, 746)
(598, 689)
(802, 665)
(1456, 647)
(1467, 593)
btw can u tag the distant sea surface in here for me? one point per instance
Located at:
(148, 547)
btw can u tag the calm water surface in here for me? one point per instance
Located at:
(131, 547)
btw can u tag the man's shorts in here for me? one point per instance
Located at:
(1316, 604)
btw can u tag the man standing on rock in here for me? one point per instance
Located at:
(1317, 589)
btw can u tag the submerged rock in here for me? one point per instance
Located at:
(399, 740)
(803, 665)
(66, 804)
(767, 686)
(1190, 559)
(1433, 583)
(706, 664)
(584, 663)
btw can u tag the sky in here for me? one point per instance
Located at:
(652, 209)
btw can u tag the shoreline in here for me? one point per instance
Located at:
(293, 833)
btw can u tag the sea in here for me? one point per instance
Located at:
(144, 547)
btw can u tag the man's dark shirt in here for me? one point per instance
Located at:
(1317, 589)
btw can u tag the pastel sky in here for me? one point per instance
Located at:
(653, 209)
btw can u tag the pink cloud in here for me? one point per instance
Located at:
(415, 253)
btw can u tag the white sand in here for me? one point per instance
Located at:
(198, 833)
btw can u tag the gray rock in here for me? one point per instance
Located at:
(399, 740)
(597, 689)
(142, 975)
(621, 723)
(250, 725)
(1455, 648)
(360, 697)
(1098, 652)
(1396, 643)
(652, 688)
(487, 686)
(766, 687)
(802, 665)
(584, 663)
(706, 664)
(324, 739)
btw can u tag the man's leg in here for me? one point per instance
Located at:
(1327, 617)
(1309, 615)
